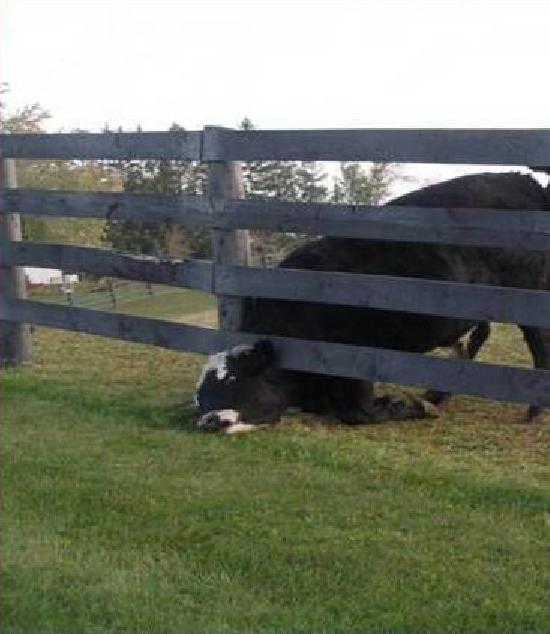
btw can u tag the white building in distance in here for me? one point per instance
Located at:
(37, 276)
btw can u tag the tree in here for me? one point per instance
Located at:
(167, 177)
(62, 175)
(29, 118)
(355, 185)
(285, 180)
(311, 182)
(268, 179)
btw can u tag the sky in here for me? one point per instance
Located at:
(283, 63)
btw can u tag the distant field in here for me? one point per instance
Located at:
(134, 298)
(174, 304)
(119, 517)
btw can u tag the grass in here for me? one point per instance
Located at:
(174, 304)
(132, 297)
(119, 517)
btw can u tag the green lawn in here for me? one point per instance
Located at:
(119, 517)
(171, 303)
(166, 302)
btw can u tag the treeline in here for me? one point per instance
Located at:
(288, 180)
(63, 175)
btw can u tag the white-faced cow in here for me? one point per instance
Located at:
(243, 387)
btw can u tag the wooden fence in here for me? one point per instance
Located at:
(229, 275)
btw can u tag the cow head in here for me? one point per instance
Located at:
(240, 387)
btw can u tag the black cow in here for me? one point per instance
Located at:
(244, 386)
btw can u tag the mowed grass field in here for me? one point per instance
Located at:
(117, 516)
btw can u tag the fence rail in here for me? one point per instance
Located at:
(481, 379)
(522, 229)
(467, 146)
(227, 214)
(454, 146)
(432, 297)
(75, 259)
(108, 145)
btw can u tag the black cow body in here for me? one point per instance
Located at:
(352, 400)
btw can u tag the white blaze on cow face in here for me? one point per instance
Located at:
(215, 363)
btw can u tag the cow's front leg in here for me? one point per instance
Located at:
(352, 400)
(388, 408)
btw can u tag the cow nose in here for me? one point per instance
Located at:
(213, 421)
(210, 422)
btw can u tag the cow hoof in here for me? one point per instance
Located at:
(387, 408)
(412, 407)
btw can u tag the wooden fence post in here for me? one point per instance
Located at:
(15, 339)
(228, 247)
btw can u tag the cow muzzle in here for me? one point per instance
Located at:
(226, 421)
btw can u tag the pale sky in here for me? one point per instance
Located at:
(285, 64)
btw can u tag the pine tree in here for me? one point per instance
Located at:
(284, 180)
(311, 182)
(268, 179)
(355, 185)
(167, 177)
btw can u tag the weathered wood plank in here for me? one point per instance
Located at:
(466, 146)
(192, 211)
(126, 327)
(524, 229)
(447, 299)
(106, 145)
(194, 274)
(389, 366)
(228, 246)
(440, 217)
(451, 375)
(521, 229)
(474, 146)
(15, 340)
